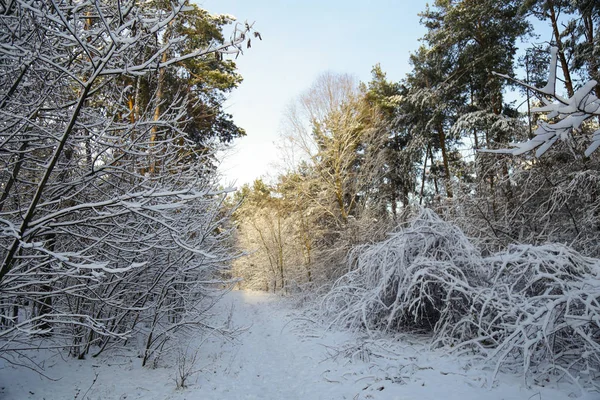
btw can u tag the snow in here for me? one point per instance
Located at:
(571, 113)
(280, 354)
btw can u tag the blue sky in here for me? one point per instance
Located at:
(302, 39)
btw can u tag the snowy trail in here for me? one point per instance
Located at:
(278, 356)
(271, 362)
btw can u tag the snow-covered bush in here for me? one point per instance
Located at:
(541, 313)
(419, 278)
(532, 309)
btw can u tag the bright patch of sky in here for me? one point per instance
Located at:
(302, 39)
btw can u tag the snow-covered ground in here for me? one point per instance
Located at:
(280, 355)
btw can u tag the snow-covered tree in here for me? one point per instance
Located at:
(109, 213)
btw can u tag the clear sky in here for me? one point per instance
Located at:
(302, 39)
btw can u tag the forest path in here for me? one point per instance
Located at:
(275, 357)
(278, 355)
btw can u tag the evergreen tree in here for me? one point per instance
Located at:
(396, 179)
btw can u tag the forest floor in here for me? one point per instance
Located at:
(278, 354)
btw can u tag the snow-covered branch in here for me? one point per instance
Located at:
(569, 113)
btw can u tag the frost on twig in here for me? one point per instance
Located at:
(569, 115)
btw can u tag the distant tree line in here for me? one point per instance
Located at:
(361, 157)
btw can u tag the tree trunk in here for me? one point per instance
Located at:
(561, 53)
(447, 176)
(424, 174)
(435, 183)
(157, 110)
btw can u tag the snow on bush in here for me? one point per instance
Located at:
(531, 309)
(541, 313)
(417, 279)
